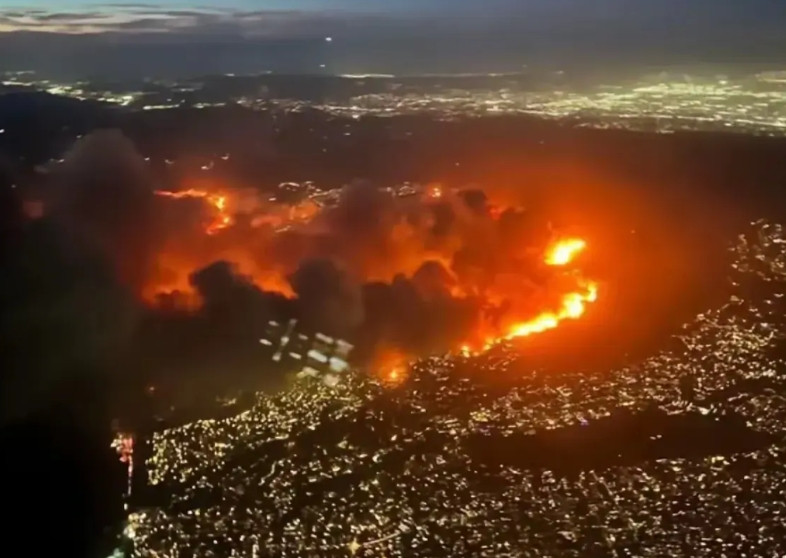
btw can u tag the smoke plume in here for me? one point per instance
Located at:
(420, 270)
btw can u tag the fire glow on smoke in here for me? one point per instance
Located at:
(409, 248)
(218, 202)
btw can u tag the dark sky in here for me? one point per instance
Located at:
(384, 36)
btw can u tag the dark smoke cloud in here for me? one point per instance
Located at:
(328, 299)
(65, 317)
(379, 270)
(233, 306)
(70, 271)
(360, 232)
(195, 354)
(476, 200)
(102, 195)
(382, 269)
(400, 314)
(375, 268)
(433, 281)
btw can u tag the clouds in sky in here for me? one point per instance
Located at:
(155, 19)
(241, 17)
(250, 19)
(297, 18)
(383, 35)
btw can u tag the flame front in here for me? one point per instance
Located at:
(222, 219)
(506, 301)
(572, 306)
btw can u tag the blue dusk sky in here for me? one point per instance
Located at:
(384, 35)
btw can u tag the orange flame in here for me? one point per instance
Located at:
(572, 306)
(564, 252)
(390, 366)
(223, 218)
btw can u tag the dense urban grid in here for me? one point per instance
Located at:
(678, 455)
(662, 102)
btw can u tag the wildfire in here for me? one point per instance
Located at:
(391, 366)
(395, 375)
(218, 202)
(572, 306)
(563, 252)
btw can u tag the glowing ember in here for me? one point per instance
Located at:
(123, 444)
(563, 252)
(391, 366)
(223, 218)
(394, 376)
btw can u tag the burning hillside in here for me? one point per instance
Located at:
(448, 248)
(414, 270)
